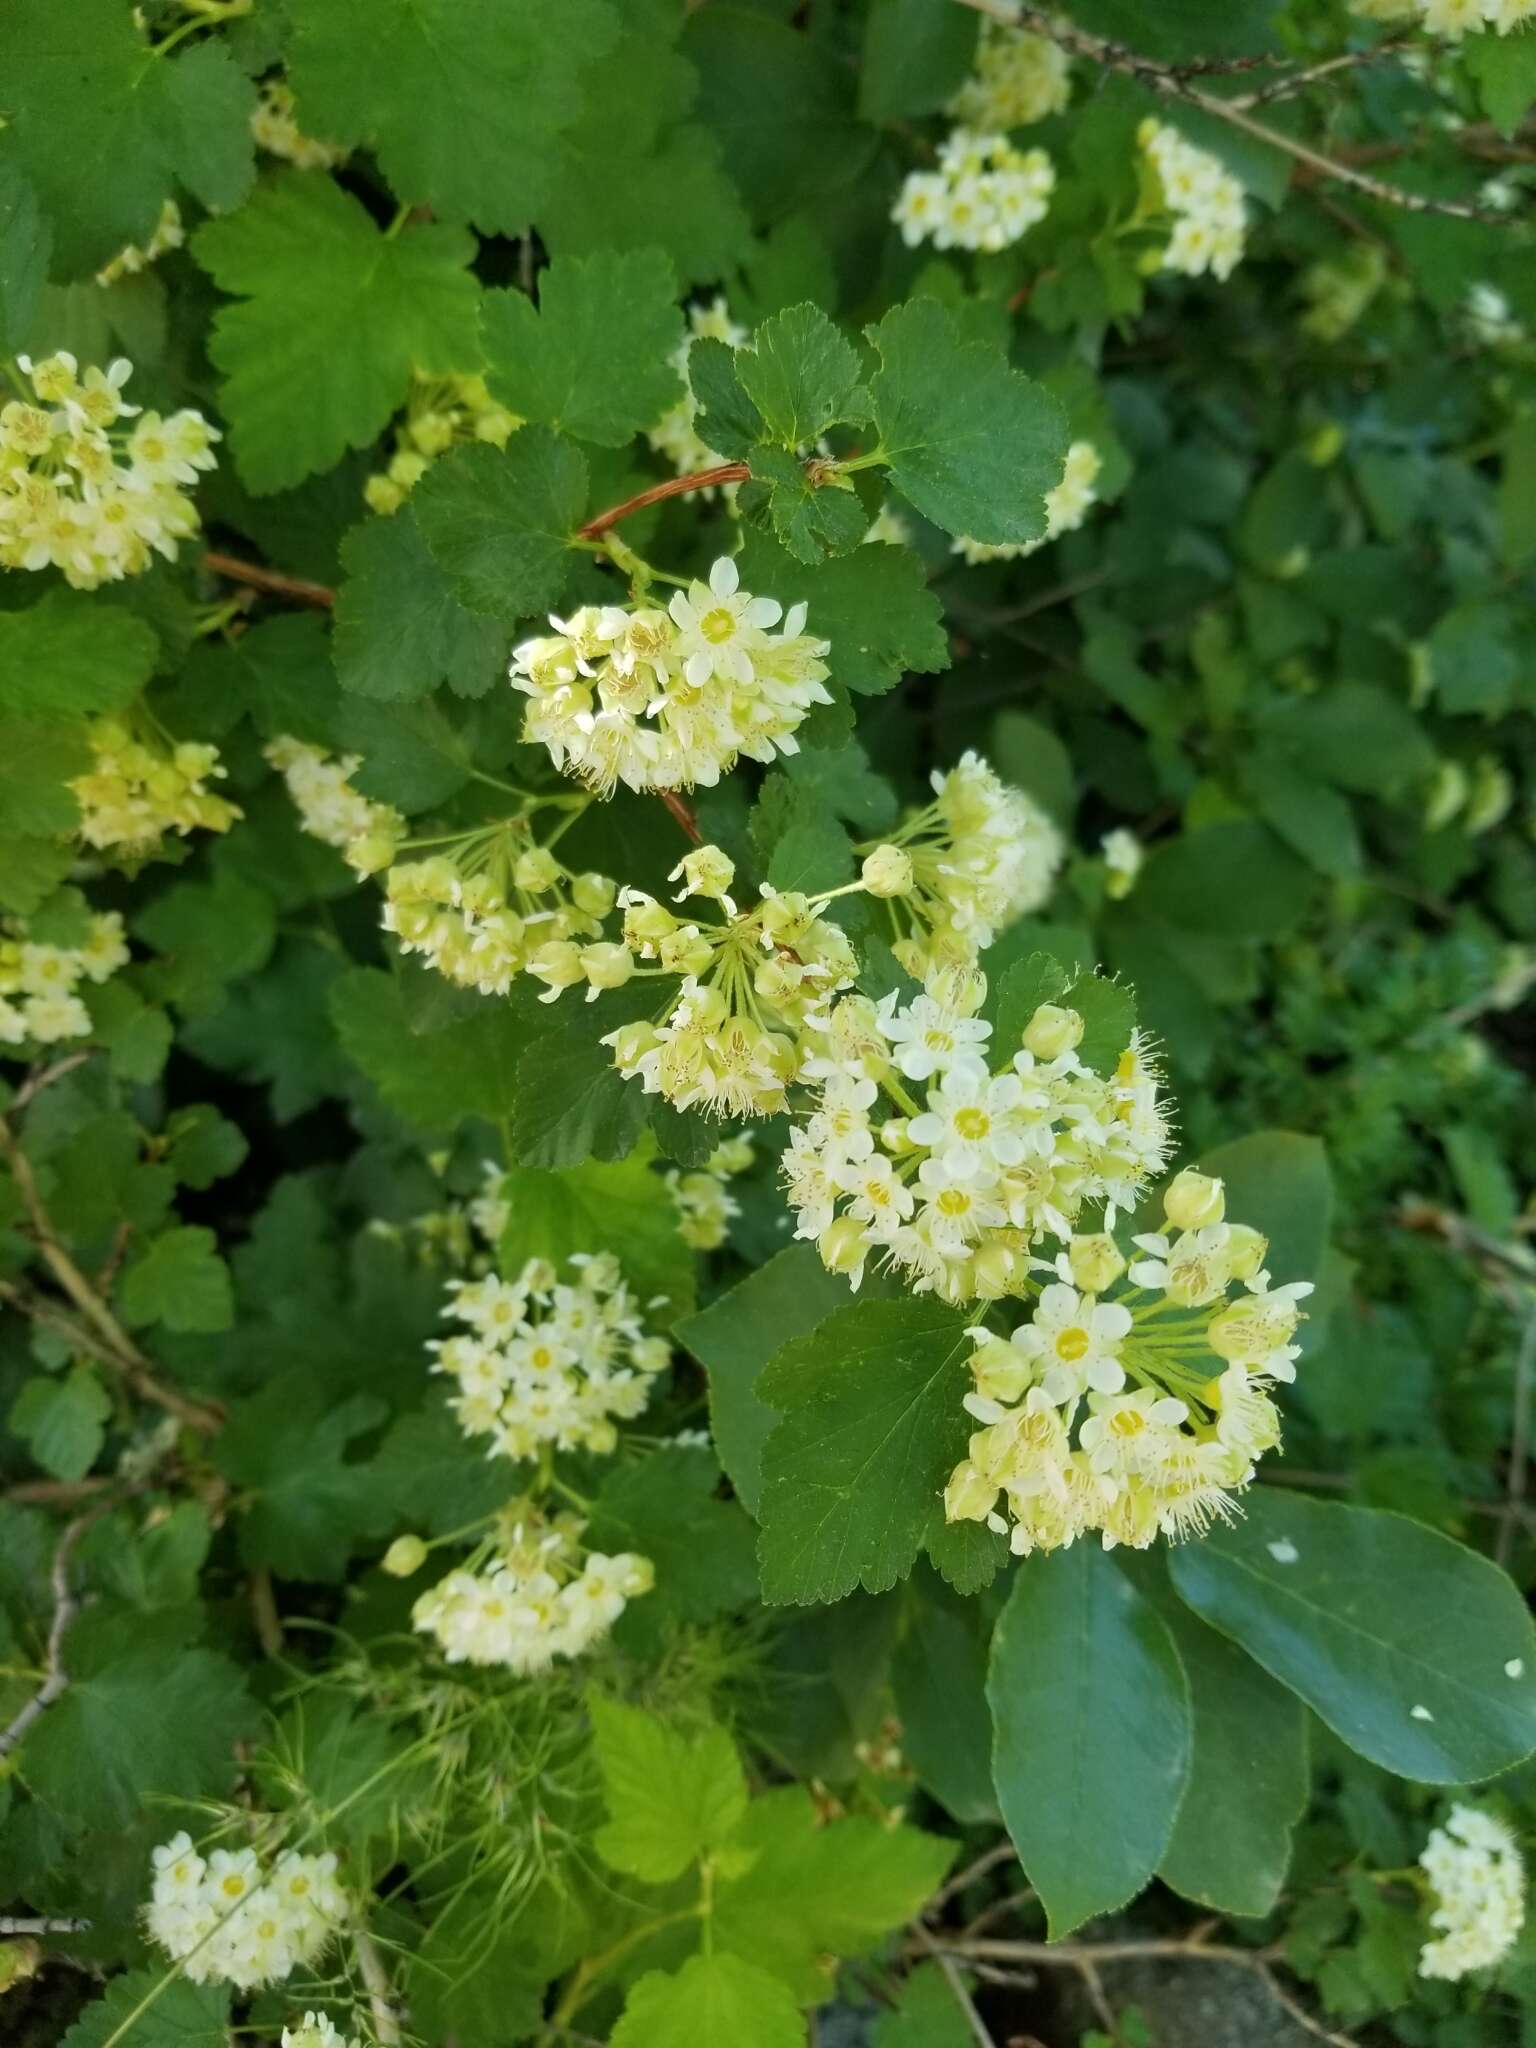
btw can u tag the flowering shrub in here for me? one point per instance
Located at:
(767, 913)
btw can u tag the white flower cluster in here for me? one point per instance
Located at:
(38, 1003)
(229, 1919)
(330, 808)
(954, 1193)
(546, 1361)
(316, 2031)
(1124, 856)
(1490, 319)
(669, 699)
(1107, 1414)
(674, 435)
(1066, 507)
(138, 788)
(1451, 18)
(539, 1597)
(979, 856)
(274, 129)
(80, 493)
(504, 906)
(985, 195)
(1478, 1879)
(168, 234)
(1210, 217)
(732, 1036)
(703, 1200)
(441, 413)
(1019, 79)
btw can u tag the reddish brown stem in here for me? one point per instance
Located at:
(674, 487)
(318, 595)
(681, 812)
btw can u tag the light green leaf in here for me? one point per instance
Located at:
(594, 360)
(873, 1426)
(734, 1338)
(105, 129)
(813, 1890)
(460, 100)
(400, 630)
(500, 522)
(1394, 1635)
(711, 1998)
(36, 761)
(333, 319)
(926, 2015)
(671, 1797)
(803, 377)
(1108, 1011)
(63, 1421)
(1092, 1732)
(178, 1279)
(974, 444)
(26, 241)
(147, 1723)
(811, 518)
(182, 2015)
(622, 1208)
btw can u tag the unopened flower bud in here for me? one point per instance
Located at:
(1193, 1200)
(594, 894)
(382, 494)
(606, 965)
(536, 870)
(1095, 1262)
(893, 1136)
(1246, 1250)
(370, 852)
(1052, 1031)
(685, 950)
(707, 871)
(646, 921)
(842, 1245)
(558, 965)
(1000, 1370)
(786, 915)
(406, 1555)
(887, 871)
(969, 1495)
(993, 1270)
(631, 1042)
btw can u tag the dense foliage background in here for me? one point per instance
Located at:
(464, 292)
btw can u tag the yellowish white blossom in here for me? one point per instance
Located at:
(39, 981)
(233, 1917)
(441, 413)
(984, 195)
(1210, 220)
(274, 129)
(704, 1202)
(329, 807)
(168, 234)
(1019, 78)
(1123, 855)
(1477, 1876)
(139, 786)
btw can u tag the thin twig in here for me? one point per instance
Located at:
(1298, 81)
(9, 1924)
(297, 590)
(370, 1967)
(1171, 83)
(674, 487)
(1519, 1439)
(999, 1853)
(45, 1077)
(53, 1493)
(957, 1990)
(680, 811)
(65, 1607)
(269, 1626)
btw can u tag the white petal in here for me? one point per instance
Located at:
(723, 577)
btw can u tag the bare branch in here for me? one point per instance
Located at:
(674, 487)
(65, 1607)
(9, 1924)
(1170, 82)
(319, 596)
(370, 1967)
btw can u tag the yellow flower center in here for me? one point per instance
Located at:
(972, 1123)
(718, 624)
(1128, 1422)
(233, 1885)
(954, 1202)
(1072, 1345)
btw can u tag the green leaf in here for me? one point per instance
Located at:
(594, 361)
(1394, 1635)
(1228, 881)
(926, 2015)
(570, 1101)
(31, 869)
(711, 1998)
(182, 2014)
(400, 630)
(671, 1797)
(1092, 1743)
(26, 241)
(665, 1508)
(727, 420)
(178, 1279)
(309, 1504)
(1026, 752)
(916, 57)
(460, 100)
(874, 606)
(939, 1675)
(63, 1421)
(803, 377)
(499, 523)
(333, 320)
(105, 129)
(432, 1078)
(972, 443)
(1108, 1011)
(734, 1338)
(812, 1890)
(873, 1426)
(621, 1208)
(147, 1723)
(1231, 1845)
(812, 518)
(1505, 70)
(36, 761)
(1517, 487)
(1019, 991)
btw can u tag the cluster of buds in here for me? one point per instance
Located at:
(168, 234)
(1019, 79)
(962, 869)
(670, 699)
(441, 413)
(1210, 217)
(955, 1192)
(83, 493)
(274, 129)
(363, 832)
(1136, 1399)
(703, 1199)
(141, 785)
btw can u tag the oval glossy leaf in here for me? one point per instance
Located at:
(1091, 1732)
(1416, 1651)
